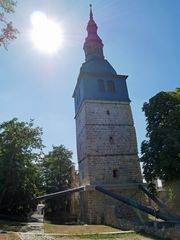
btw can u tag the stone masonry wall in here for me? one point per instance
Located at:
(98, 205)
(106, 141)
(107, 155)
(101, 170)
(110, 139)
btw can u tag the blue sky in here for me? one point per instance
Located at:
(141, 39)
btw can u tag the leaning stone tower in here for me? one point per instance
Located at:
(106, 138)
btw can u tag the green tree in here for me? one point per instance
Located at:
(20, 151)
(57, 169)
(161, 152)
(7, 31)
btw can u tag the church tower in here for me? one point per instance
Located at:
(106, 139)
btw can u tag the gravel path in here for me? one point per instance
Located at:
(33, 236)
(34, 230)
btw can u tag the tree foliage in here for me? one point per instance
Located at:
(20, 150)
(7, 32)
(161, 152)
(57, 172)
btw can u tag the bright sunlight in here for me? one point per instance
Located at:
(46, 34)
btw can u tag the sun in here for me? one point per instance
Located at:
(46, 34)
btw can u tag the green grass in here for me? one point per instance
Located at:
(10, 226)
(92, 232)
(9, 237)
(75, 232)
(100, 236)
(123, 236)
(77, 229)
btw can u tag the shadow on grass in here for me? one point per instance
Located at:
(11, 225)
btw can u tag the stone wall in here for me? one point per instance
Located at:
(106, 141)
(102, 209)
(94, 111)
(107, 155)
(101, 169)
(160, 230)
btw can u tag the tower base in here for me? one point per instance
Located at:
(98, 208)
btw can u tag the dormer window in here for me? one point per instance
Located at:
(111, 86)
(101, 85)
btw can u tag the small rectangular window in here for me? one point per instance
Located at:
(115, 173)
(108, 112)
(101, 85)
(111, 86)
(111, 140)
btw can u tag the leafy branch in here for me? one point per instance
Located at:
(7, 31)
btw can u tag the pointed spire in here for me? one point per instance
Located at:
(91, 14)
(93, 45)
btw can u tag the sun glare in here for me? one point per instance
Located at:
(46, 34)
